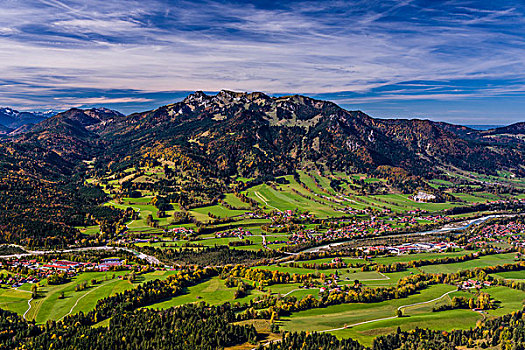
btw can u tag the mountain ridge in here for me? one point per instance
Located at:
(298, 129)
(253, 134)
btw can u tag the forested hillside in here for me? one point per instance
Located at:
(205, 142)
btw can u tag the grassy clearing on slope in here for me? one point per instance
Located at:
(288, 200)
(445, 320)
(420, 256)
(511, 275)
(509, 300)
(212, 291)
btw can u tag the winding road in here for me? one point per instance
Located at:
(29, 308)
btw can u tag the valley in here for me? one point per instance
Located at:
(269, 216)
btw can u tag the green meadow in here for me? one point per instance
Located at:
(51, 306)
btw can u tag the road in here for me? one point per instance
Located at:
(150, 259)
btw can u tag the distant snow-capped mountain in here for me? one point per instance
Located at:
(13, 119)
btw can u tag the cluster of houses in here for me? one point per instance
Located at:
(16, 280)
(329, 289)
(407, 248)
(436, 218)
(181, 231)
(60, 265)
(287, 215)
(108, 264)
(258, 215)
(371, 227)
(303, 236)
(367, 211)
(239, 233)
(474, 284)
(507, 201)
(292, 214)
(423, 197)
(499, 233)
(37, 270)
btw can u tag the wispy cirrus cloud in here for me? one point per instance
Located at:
(368, 52)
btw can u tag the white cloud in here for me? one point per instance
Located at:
(99, 100)
(309, 48)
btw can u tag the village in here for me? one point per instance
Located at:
(20, 271)
(372, 227)
(511, 233)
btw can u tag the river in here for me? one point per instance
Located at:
(458, 226)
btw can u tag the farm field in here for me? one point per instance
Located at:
(419, 256)
(445, 320)
(14, 300)
(511, 275)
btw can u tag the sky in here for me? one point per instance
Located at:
(457, 61)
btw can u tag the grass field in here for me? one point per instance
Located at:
(511, 275)
(393, 278)
(215, 292)
(509, 300)
(347, 314)
(419, 256)
(286, 199)
(488, 260)
(48, 306)
(445, 320)
(14, 300)
(212, 291)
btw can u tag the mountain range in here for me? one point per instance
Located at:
(252, 134)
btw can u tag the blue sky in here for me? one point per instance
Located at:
(457, 61)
